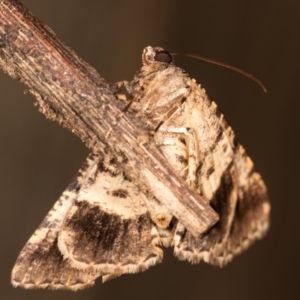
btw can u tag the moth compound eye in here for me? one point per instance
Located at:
(163, 56)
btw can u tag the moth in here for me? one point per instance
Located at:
(103, 225)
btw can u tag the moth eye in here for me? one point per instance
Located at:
(163, 56)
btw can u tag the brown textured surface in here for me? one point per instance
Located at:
(38, 158)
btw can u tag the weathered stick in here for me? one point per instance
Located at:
(72, 93)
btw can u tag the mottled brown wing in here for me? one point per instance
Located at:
(98, 227)
(108, 227)
(40, 264)
(225, 176)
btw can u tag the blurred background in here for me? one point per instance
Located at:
(38, 158)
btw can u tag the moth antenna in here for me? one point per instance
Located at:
(215, 62)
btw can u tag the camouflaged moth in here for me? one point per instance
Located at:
(103, 225)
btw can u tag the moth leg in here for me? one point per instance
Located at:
(178, 145)
(124, 83)
(124, 91)
(192, 157)
(159, 213)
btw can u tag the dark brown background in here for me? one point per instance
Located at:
(38, 158)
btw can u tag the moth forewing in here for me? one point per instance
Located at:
(40, 264)
(98, 227)
(102, 228)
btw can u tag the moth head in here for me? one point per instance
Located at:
(156, 54)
